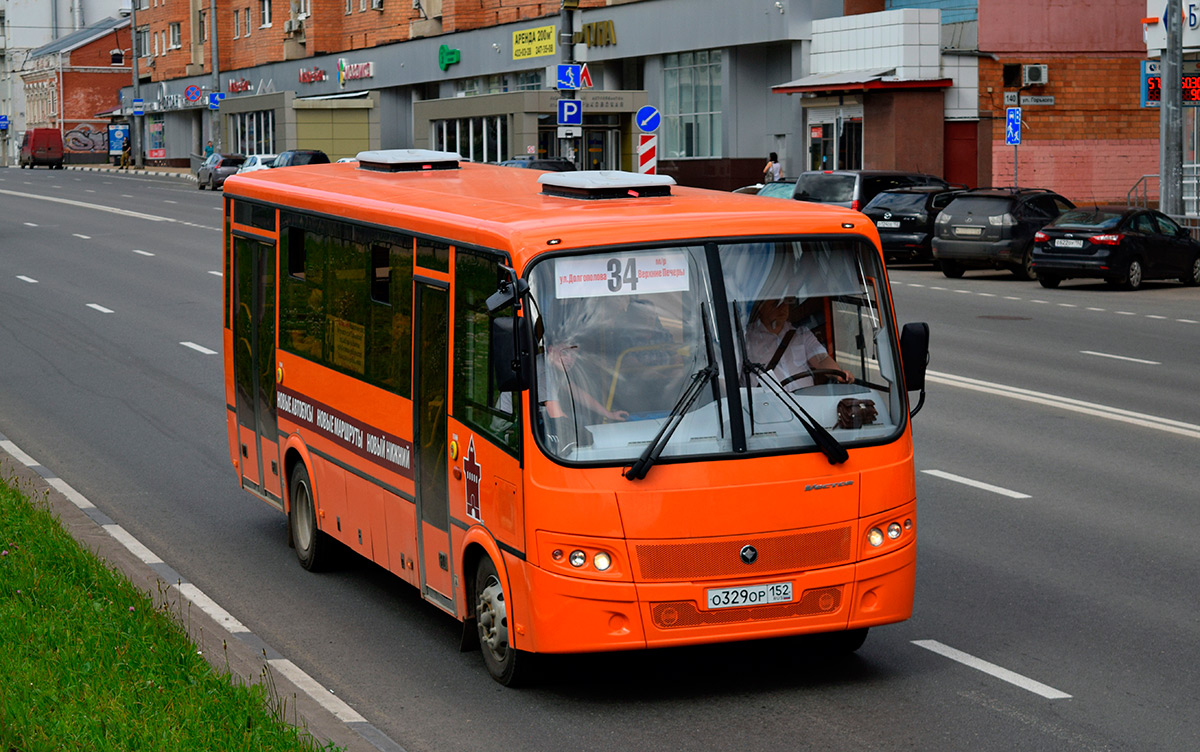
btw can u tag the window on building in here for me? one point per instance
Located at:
(202, 24)
(264, 9)
(249, 26)
(303, 9)
(349, 7)
(142, 42)
(253, 132)
(143, 4)
(478, 139)
(176, 36)
(692, 104)
(237, 23)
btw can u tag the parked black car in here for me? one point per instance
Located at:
(905, 217)
(1121, 245)
(993, 228)
(293, 157)
(549, 164)
(215, 168)
(856, 188)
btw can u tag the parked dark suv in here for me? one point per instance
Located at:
(855, 188)
(994, 228)
(905, 217)
(294, 157)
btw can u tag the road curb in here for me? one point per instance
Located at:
(187, 176)
(225, 643)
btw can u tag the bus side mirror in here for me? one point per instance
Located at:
(914, 354)
(511, 346)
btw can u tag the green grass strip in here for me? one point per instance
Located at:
(88, 662)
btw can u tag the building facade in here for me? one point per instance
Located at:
(70, 83)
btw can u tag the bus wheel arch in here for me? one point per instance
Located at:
(489, 615)
(314, 549)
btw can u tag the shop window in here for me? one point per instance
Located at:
(692, 104)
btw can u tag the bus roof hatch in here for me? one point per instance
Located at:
(407, 160)
(602, 184)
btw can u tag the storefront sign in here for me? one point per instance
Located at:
(353, 71)
(448, 56)
(237, 86)
(595, 101)
(598, 34)
(537, 42)
(312, 75)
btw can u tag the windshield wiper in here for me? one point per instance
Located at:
(825, 441)
(639, 468)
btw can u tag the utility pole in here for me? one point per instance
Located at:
(215, 127)
(1170, 113)
(135, 129)
(567, 24)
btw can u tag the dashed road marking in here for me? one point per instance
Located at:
(991, 669)
(977, 484)
(100, 308)
(30, 280)
(142, 253)
(199, 348)
(81, 237)
(1121, 357)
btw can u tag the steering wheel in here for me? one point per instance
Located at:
(814, 372)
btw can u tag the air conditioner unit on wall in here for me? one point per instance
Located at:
(1034, 75)
(377, 4)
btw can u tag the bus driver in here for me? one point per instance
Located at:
(786, 350)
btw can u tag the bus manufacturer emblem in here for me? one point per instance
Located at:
(749, 554)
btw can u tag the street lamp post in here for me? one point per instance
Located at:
(135, 129)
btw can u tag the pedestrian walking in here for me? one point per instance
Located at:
(773, 170)
(208, 150)
(125, 151)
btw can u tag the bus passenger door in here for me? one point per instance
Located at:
(254, 365)
(431, 355)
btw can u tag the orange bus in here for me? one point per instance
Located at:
(580, 411)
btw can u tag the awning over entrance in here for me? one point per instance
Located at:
(856, 80)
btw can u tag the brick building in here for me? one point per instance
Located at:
(71, 81)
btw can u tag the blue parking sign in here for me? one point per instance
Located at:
(570, 112)
(1012, 127)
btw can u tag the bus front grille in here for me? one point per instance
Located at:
(790, 552)
(676, 614)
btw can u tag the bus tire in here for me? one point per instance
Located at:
(835, 644)
(506, 664)
(313, 548)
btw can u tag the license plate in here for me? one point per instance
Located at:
(1066, 243)
(887, 224)
(750, 595)
(968, 230)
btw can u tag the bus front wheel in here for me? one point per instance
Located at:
(505, 663)
(312, 546)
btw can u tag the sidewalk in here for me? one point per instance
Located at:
(179, 173)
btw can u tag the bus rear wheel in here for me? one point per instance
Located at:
(313, 548)
(506, 664)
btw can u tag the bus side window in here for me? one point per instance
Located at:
(477, 401)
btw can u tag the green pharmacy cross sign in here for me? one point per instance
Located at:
(448, 56)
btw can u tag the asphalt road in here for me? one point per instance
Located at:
(1057, 476)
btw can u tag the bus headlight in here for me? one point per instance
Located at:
(874, 537)
(578, 558)
(894, 530)
(602, 561)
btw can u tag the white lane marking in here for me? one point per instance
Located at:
(1011, 297)
(1042, 302)
(964, 292)
(30, 280)
(143, 253)
(133, 544)
(199, 348)
(89, 190)
(1067, 305)
(210, 607)
(1187, 321)
(1154, 316)
(1120, 357)
(327, 699)
(987, 294)
(109, 209)
(100, 308)
(991, 669)
(219, 274)
(169, 201)
(1191, 430)
(30, 224)
(977, 484)
(1125, 313)
(1101, 310)
(82, 237)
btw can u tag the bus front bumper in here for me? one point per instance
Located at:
(574, 615)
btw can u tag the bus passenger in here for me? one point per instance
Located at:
(784, 349)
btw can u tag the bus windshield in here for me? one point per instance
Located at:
(627, 342)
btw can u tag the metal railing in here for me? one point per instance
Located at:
(1145, 192)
